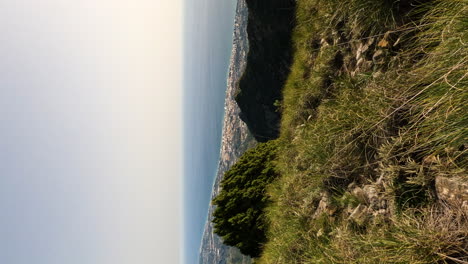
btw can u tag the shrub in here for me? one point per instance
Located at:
(239, 215)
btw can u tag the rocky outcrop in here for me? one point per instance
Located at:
(374, 203)
(370, 204)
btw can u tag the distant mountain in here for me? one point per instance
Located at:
(236, 140)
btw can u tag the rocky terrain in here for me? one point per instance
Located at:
(236, 139)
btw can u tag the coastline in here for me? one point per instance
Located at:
(236, 139)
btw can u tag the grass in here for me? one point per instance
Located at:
(398, 119)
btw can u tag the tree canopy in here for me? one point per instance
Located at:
(239, 215)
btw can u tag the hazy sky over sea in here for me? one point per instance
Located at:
(208, 31)
(90, 131)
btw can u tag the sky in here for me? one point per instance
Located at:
(90, 131)
(208, 31)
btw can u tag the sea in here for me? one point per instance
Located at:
(208, 39)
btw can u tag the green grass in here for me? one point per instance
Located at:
(401, 121)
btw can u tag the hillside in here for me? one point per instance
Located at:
(270, 52)
(372, 123)
(236, 138)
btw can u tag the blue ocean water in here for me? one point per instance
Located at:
(208, 29)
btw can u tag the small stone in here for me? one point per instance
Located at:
(371, 192)
(359, 193)
(324, 206)
(452, 190)
(359, 215)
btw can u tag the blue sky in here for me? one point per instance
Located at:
(91, 128)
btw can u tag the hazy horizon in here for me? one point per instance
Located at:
(208, 31)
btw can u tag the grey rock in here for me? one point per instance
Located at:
(359, 214)
(324, 206)
(453, 191)
(371, 194)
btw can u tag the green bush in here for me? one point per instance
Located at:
(239, 215)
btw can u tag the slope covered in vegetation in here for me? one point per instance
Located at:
(372, 150)
(374, 117)
(269, 29)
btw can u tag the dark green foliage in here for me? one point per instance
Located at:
(239, 216)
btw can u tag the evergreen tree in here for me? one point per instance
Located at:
(239, 215)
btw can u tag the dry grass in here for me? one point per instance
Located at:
(402, 122)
